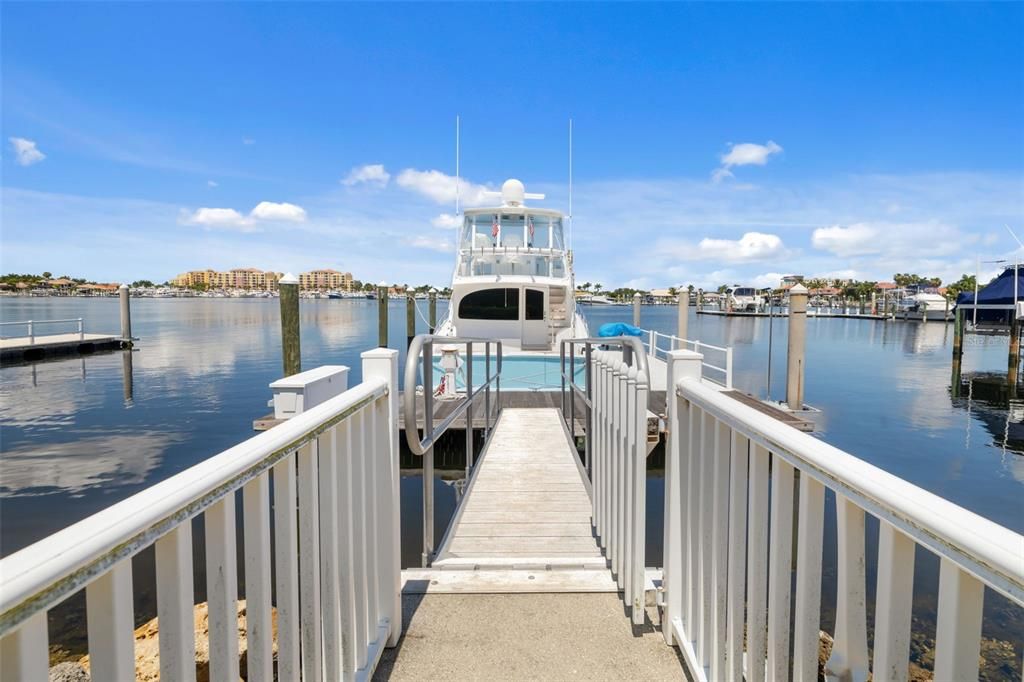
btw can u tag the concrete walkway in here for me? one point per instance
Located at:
(526, 637)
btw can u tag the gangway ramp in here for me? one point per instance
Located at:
(527, 505)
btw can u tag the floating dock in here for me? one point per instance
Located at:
(32, 349)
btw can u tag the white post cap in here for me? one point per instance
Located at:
(433, 290)
(123, 286)
(383, 283)
(288, 278)
(798, 289)
(636, 295)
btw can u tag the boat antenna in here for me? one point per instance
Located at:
(570, 184)
(458, 179)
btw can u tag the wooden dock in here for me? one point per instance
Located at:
(32, 349)
(527, 504)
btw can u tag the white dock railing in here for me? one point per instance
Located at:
(731, 474)
(619, 474)
(659, 345)
(615, 401)
(31, 325)
(336, 554)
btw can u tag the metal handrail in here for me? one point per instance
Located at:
(424, 344)
(74, 319)
(681, 344)
(422, 347)
(632, 353)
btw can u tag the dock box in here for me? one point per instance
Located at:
(299, 392)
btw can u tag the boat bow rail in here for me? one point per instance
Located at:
(421, 359)
(335, 558)
(731, 473)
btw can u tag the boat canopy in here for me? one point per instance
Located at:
(1000, 291)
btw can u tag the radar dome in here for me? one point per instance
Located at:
(513, 192)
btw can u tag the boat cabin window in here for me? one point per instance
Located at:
(513, 231)
(534, 304)
(490, 304)
(743, 291)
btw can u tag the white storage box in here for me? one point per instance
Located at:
(299, 392)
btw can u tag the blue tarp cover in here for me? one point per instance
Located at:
(999, 292)
(618, 329)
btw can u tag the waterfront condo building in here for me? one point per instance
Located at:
(238, 278)
(325, 280)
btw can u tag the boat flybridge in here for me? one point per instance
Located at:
(513, 277)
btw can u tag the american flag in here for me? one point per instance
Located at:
(494, 226)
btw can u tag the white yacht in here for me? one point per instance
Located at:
(513, 280)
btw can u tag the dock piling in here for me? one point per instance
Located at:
(796, 346)
(432, 314)
(382, 315)
(1013, 358)
(410, 318)
(126, 313)
(291, 354)
(684, 312)
(636, 309)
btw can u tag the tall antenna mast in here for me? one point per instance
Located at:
(570, 184)
(458, 179)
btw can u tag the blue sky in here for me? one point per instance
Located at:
(714, 143)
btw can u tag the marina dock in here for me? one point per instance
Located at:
(31, 349)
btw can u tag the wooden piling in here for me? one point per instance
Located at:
(410, 318)
(684, 312)
(433, 310)
(958, 335)
(796, 347)
(636, 309)
(1013, 358)
(126, 313)
(288, 288)
(382, 315)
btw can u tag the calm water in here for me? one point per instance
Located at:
(78, 435)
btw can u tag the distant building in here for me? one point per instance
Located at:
(790, 281)
(325, 280)
(254, 279)
(239, 278)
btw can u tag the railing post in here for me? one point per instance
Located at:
(469, 408)
(428, 456)
(487, 390)
(849, 658)
(31, 334)
(589, 437)
(81, 330)
(681, 365)
(638, 463)
(383, 364)
(728, 367)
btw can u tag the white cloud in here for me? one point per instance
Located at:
(440, 187)
(446, 221)
(371, 173)
(217, 218)
(430, 243)
(268, 210)
(751, 246)
(859, 239)
(211, 183)
(744, 154)
(768, 279)
(25, 151)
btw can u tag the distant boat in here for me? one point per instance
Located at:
(335, 294)
(597, 299)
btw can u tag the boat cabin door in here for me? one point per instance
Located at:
(535, 325)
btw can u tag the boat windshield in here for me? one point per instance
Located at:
(505, 230)
(743, 291)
